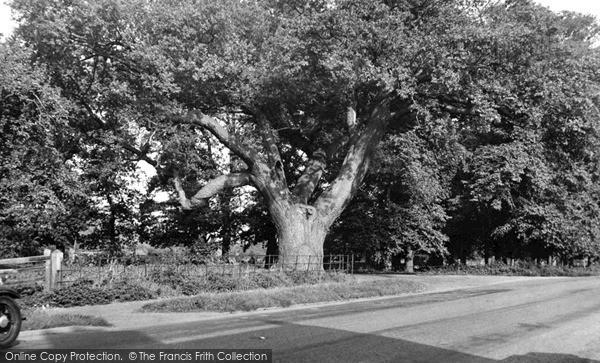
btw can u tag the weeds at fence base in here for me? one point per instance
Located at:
(168, 284)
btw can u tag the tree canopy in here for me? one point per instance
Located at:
(477, 121)
(42, 200)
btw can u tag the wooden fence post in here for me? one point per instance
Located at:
(48, 274)
(56, 258)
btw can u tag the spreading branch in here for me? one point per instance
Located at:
(309, 179)
(244, 151)
(269, 141)
(351, 118)
(459, 110)
(317, 164)
(355, 165)
(141, 155)
(260, 173)
(211, 188)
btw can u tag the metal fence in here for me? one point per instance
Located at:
(101, 268)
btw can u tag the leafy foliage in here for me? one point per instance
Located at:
(166, 283)
(42, 201)
(400, 207)
(87, 292)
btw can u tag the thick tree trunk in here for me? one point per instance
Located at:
(300, 236)
(225, 201)
(226, 230)
(409, 265)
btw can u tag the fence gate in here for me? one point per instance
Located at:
(22, 270)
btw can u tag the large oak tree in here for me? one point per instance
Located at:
(314, 85)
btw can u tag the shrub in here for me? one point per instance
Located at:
(520, 269)
(312, 278)
(127, 291)
(265, 280)
(168, 282)
(85, 292)
(169, 276)
(221, 283)
(80, 293)
(28, 290)
(190, 287)
(30, 294)
(301, 277)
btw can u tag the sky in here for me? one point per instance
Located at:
(5, 23)
(582, 6)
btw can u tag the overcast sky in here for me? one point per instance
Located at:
(582, 6)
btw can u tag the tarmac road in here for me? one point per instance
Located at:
(515, 320)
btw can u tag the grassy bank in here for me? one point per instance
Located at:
(520, 269)
(284, 297)
(38, 318)
(38, 304)
(167, 285)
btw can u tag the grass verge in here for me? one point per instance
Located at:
(38, 318)
(284, 297)
(521, 269)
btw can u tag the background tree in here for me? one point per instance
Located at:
(42, 199)
(399, 211)
(526, 186)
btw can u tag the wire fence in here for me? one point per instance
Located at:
(101, 268)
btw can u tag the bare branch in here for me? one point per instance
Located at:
(211, 188)
(186, 204)
(459, 110)
(141, 155)
(315, 168)
(351, 118)
(354, 168)
(238, 147)
(309, 180)
(270, 140)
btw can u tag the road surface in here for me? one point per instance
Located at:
(526, 320)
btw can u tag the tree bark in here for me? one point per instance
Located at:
(409, 265)
(226, 230)
(300, 235)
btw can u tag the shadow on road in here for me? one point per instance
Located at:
(302, 343)
(547, 358)
(88, 339)
(289, 341)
